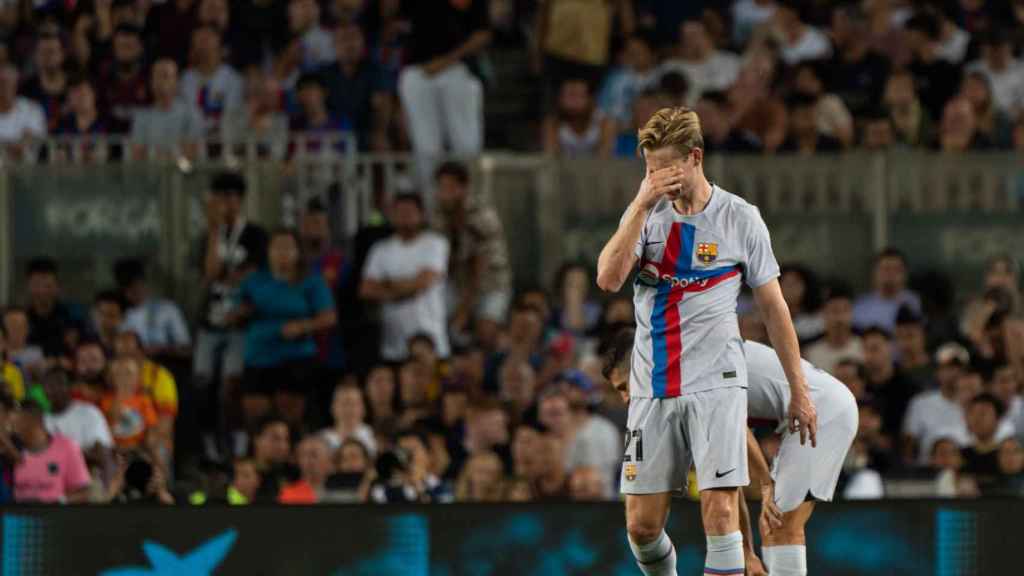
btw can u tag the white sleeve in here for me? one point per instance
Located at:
(437, 256)
(374, 267)
(761, 266)
(99, 432)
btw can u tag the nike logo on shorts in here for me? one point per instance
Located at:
(726, 473)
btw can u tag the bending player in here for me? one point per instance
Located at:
(691, 241)
(800, 476)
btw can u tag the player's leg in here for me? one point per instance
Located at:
(716, 423)
(785, 548)
(655, 464)
(646, 515)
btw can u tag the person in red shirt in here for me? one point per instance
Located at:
(315, 465)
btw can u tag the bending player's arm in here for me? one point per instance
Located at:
(771, 516)
(619, 255)
(802, 415)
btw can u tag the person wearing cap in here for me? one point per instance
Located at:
(1004, 72)
(230, 250)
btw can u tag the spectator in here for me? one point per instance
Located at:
(285, 307)
(1011, 469)
(433, 369)
(486, 430)
(123, 86)
(441, 96)
(803, 136)
(51, 468)
(107, 317)
(911, 123)
(480, 479)
(48, 87)
(406, 273)
(245, 482)
(130, 412)
(911, 347)
(271, 452)
(714, 111)
(169, 27)
(259, 26)
(413, 394)
(327, 260)
(231, 249)
(213, 86)
(21, 119)
(981, 454)
(304, 21)
(575, 311)
(259, 120)
(313, 116)
(380, 397)
(1005, 386)
(79, 421)
(83, 117)
(158, 322)
(798, 40)
(351, 481)
(170, 125)
(958, 131)
(873, 444)
(877, 132)
(1005, 74)
(636, 74)
(886, 382)
(90, 373)
(800, 289)
(577, 128)
(936, 79)
(839, 341)
(518, 489)
(1001, 295)
(349, 413)
(947, 459)
(588, 484)
(157, 383)
(954, 39)
(993, 124)
(10, 374)
(853, 374)
(747, 16)
(856, 73)
(706, 68)
(27, 358)
(53, 323)
(574, 39)
(552, 482)
(357, 91)
(938, 413)
(753, 103)
(420, 476)
(314, 460)
(831, 116)
(479, 255)
(595, 442)
(889, 279)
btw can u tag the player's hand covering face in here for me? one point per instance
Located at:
(658, 183)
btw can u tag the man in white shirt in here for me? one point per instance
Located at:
(406, 273)
(21, 119)
(839, 342)
(211, 85)
(798, 40)
(80, 421)
(1005, 74)
(707, 69)
(158, 322)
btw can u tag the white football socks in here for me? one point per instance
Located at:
(785, 560)
(725, 555)
(657, 558)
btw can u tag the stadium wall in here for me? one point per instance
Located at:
(940, 538)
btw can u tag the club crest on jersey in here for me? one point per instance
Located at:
(630, 470)
(707, 252)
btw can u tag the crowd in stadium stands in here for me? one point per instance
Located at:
(771, 76)
(410, 368)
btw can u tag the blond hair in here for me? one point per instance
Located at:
(678, 127)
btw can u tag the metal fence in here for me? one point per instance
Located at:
(947, 212)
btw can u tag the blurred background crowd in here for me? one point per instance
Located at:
(413, 366)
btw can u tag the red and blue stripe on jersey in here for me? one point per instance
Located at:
(666, 325)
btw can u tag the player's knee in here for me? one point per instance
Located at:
(720, 516)
(643, 530)
(785, 536)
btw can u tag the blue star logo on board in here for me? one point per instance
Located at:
(201, 561)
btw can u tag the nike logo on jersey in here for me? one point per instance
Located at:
(726, 473)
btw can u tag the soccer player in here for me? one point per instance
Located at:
(692, 240)
(801, 475)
